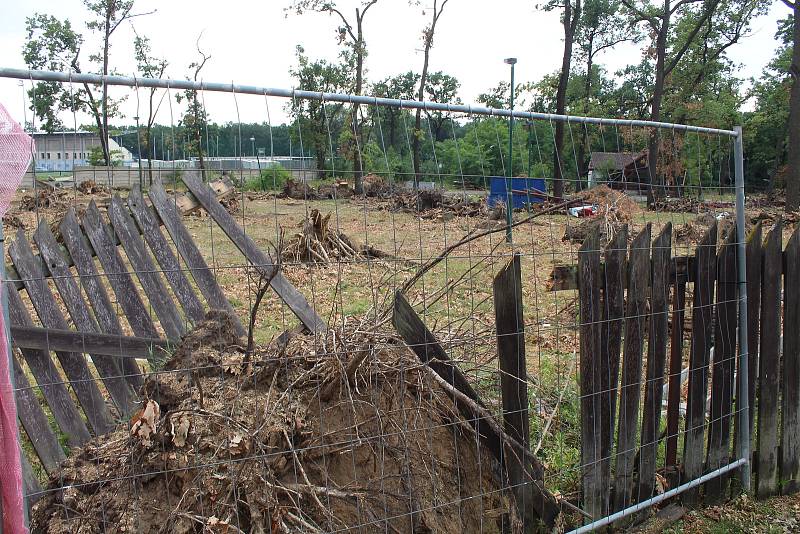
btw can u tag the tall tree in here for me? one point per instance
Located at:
(427, 43)
(318, 122)
(402, 86)
(195, 120)
(352, 35)
(148, 66)
(570, 18)
(793, 174)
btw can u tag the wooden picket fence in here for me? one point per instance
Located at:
(683, 403)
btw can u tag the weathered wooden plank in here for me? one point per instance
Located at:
(702, 322)
(260, 259)
(510, 323)
(203, 276)
(110, 370)
(73, 364)
(422, 341)
(719, 427)
(148, 224)
(590, 295)
(117, 274)
(52, 386)
(633, 346)
(656, 360)
(565, 277)
(675, 367)
(790, 405)
(33, 337)
(145, 270)
(769, 368)
(31, 486)
(611, 343)
(754, 254)
(81, 255)
(34, 421)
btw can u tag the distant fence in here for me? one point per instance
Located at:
(633, 406)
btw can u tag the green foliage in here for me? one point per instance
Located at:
(97, 158)
(272, 178)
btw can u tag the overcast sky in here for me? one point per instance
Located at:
(254, 43)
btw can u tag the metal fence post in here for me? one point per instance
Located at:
(743, 437)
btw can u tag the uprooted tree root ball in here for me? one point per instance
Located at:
(306, 436)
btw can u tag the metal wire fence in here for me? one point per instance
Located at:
(286, 355)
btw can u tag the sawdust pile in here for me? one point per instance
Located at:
(290, 440)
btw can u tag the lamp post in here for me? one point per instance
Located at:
(509, 194)
(253, 146)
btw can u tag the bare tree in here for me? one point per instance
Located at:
(351, 34)
(196, 118)
(150, 67)
(427, 42)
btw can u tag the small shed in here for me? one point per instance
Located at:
(618, 168)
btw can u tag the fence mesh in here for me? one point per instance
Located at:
(322, 361)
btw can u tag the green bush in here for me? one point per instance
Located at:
(272, 178)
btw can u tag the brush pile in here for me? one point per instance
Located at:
(347, 431)
(90, 187)
(614, 206)
(317, 242)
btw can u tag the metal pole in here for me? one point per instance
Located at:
(165, 83)
(743, 403)
(509, 182)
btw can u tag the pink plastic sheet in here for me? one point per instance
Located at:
(15, 156)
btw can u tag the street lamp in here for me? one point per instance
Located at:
(253, 146)
(510, 195)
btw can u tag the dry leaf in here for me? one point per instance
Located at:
(239, 445)
(233, 364)
(180, 429)
(143, 424)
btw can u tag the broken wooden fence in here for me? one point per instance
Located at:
(633, 405)
(130, 234)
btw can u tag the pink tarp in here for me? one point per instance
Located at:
(15, 155)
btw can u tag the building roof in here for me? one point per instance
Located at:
(612, 160)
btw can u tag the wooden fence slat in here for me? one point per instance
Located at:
(510, 322)
(31, 486)
(702, 322)
(82, 256)
(117, 274)
(633, 345)
(590, 334)
(656, 360)
(295, 300)
(613, 310)
(790, 406)
(753, 253)
(35, 422)
(675, 369)
(151, 231)
(722, 385)
(123, 347)
(145, 270)
(769, 370)
(73, 364)
(52, 386)
(109, 368)
(203, 276)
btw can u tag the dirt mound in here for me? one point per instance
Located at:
(611, 204)
(295, 440)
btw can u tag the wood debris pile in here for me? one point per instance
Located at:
(309, 435)
(90, 187)
(436, 205)
(304, 191)
(615, 206)
(317, 242)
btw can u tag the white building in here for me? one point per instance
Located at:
(62, 151)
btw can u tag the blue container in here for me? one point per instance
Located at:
(519, 188)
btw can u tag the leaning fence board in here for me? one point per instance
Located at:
(753, 258)
(166, 259)
(610, 346)
(260, 259)
(110, 369)
(702, 314)
(630, 387)
(81, 254)
(117, 275)
(675, 369)
(769, 365)
(145, 270)
(510, 321)
(719, 426)
(31, 485)
(52, 386)
(656, 359)
(187, 249)
(790, 406)
(33, 337)
(590, 333)
(35, 422)
(73, 364)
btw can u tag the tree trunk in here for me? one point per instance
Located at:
(793, 160)
(583, 147)
(358, 171)
(104, 129)
(655, 187)
(561, 96)
(423, 80)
